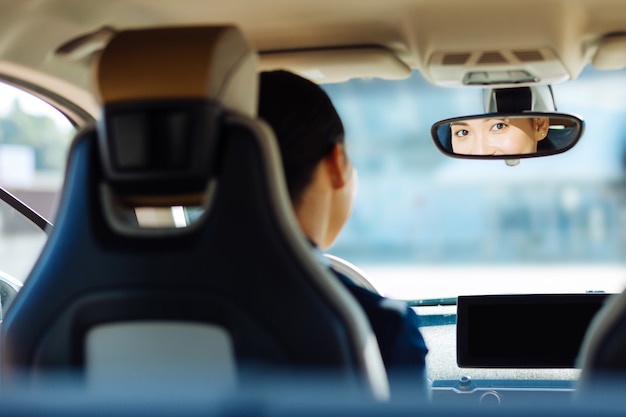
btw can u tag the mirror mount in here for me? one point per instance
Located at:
(537, 98)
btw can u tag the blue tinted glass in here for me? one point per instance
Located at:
(416, 207)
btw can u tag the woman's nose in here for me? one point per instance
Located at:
(482, 146)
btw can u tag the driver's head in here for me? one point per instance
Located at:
(320, 178)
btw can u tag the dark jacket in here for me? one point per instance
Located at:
(401, 343)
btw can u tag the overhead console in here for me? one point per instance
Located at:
(496, 67)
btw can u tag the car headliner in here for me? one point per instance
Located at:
(32, 31)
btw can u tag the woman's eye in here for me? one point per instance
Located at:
(461, 133)
(498, 126)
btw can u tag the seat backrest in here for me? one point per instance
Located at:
(602, 357)
(238, 287)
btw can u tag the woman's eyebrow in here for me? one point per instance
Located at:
(459, 124)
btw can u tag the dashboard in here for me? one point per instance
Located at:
(507, 349)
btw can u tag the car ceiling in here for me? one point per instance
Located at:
(411, 32)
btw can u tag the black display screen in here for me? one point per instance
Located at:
(523, 331)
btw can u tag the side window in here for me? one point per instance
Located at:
(34, 139)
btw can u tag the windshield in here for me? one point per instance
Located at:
(428, 226)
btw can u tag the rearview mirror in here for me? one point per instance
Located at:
(507, 135)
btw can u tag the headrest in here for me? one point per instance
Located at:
(164, 92)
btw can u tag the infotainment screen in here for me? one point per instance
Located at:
(523, 331)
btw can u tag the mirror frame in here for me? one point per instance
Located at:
(577, 119)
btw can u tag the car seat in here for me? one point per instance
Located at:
(113, 296)
(602, 356)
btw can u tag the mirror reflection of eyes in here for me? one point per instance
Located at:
(499, 126)
(461, 132)
(502, 136)
(494, 137)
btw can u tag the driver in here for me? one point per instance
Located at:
(322, 183)
(498, 136)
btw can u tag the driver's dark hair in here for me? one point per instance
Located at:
(304, 121)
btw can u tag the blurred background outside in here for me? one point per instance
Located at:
(424, 225)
